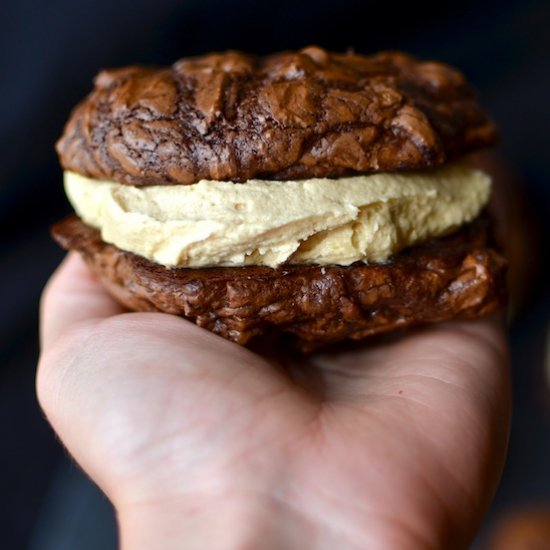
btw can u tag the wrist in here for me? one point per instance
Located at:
(229, 523)
(246, 523)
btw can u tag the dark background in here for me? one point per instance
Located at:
(49, 53)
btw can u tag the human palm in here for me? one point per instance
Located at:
(210, 445)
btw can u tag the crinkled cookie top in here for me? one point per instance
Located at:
(291, 115)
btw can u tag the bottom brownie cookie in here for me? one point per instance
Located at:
(458, 276)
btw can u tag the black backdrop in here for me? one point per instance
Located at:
(49, 53)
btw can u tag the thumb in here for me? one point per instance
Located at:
(122, 391)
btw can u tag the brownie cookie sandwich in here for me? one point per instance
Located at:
(318, 194)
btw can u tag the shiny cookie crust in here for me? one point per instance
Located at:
(292, 115)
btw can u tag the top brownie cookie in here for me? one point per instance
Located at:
(291, 115)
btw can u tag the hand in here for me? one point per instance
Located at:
(200, 443)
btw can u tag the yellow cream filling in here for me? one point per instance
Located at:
(324, 221)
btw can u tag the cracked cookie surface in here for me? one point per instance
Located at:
(292, 115)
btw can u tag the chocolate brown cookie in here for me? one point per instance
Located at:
(459, 276)
(293, 115)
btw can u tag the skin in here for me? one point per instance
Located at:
(200, 443)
